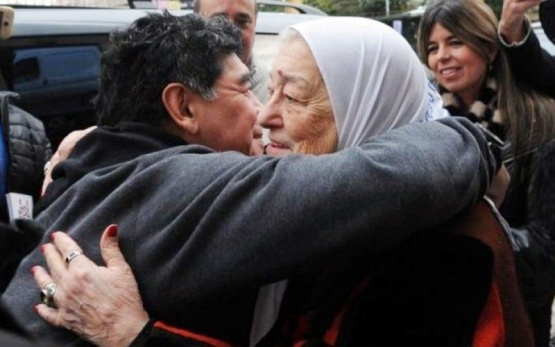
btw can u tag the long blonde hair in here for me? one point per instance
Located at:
(529, 116)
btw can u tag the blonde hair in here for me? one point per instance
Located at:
(528, 115)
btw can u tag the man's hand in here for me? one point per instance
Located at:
(512, 19)
(63, 151)
(101, 304)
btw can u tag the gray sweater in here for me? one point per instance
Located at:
(202, 230)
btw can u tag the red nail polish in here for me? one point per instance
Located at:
(52, 236)
(42, 247)
(36, 308)
(113, 230)
(33, 269)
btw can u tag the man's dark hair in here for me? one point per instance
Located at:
(157, 50)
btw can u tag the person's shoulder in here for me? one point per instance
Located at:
(19, 116)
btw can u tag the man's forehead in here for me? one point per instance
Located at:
(234, 71)
(223, 7)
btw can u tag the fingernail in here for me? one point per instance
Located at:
(42, 247)
(36, 308)
(33, 269)
(113, 230)
(52, 236)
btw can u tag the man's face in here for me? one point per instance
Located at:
(227, 122)
(242, 13)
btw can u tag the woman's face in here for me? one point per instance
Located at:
(298, 115)
(456, 66)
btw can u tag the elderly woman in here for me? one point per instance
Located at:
(318, 105)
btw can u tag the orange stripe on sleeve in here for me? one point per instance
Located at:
(490, 331)
(190, 335)
(331, 335)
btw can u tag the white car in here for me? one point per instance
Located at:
(544, 40)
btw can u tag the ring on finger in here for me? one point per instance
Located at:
(47, 294)
(72, 255)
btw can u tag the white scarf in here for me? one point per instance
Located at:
(374, 78)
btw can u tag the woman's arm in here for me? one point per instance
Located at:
(529, 62)
(103, 304)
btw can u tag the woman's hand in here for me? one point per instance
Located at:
(63, 151)
(512, 19)
(101, 304)
(498, 188)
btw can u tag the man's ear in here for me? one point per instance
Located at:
(177, 101)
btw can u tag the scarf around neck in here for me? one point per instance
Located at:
(483, 110)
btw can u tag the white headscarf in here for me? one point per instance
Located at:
(374, 78)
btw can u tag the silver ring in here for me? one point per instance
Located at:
(72, 256)
(47, 294)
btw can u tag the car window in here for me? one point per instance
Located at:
(57, 85)
(25, 70)
(83, 63)
(545, 42)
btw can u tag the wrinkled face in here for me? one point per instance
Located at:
(456, 66)
(228, 121)
(299, 113)
(242, 13)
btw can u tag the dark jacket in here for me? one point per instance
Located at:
(454, 285)
(529, 207)
(532, 65)
(530, 203)
(28, 150)
(203, 231)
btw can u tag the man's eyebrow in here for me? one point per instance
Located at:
(245, 78)
(244, 15)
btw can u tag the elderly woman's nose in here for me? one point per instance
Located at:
(270, 115)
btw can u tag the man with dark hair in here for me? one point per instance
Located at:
(242, 13)
(176, 96)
